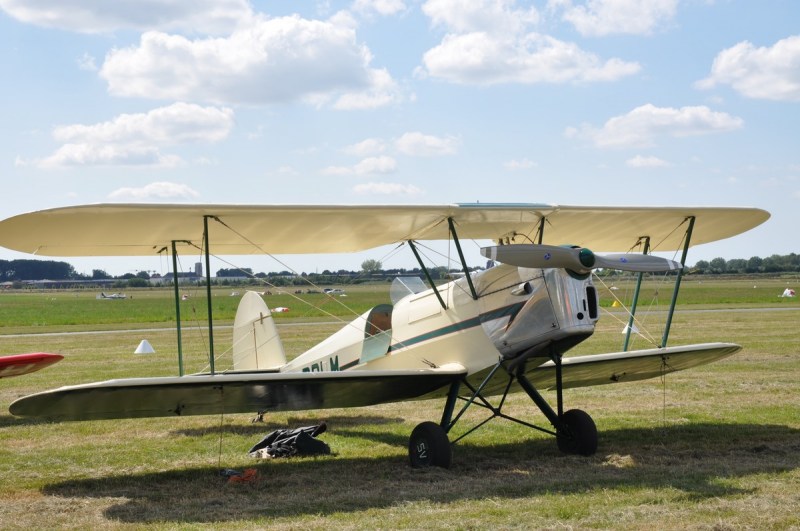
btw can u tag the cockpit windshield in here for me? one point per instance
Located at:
(405, 286)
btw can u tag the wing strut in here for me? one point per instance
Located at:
(176, 289)
(208, 294)
(177, 305)
(427, 273)
(687, 241)
(540, 230)
(461, 257)
(464, 267)
(635, 295)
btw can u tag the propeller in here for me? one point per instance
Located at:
(577, 259)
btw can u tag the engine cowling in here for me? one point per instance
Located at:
(530, 312)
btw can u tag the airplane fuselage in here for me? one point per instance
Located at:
(518, 312)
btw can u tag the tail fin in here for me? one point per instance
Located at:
(256, 345)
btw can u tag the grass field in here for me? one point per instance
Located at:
(716, 447)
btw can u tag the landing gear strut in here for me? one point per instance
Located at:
(575, 431)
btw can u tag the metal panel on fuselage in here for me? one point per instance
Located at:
(424, 334)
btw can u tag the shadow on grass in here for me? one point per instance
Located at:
(696, 459)
(12, 421)
(263, 428)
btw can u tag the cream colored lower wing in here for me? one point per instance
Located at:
(242, 392)
(601, 369)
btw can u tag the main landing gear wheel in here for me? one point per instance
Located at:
(429, 446)
(578, 434)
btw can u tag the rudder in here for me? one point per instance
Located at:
(256, 344)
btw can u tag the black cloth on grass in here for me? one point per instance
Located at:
(300, 441)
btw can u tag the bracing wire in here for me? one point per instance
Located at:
(639, 328)
(637, 322)
(288, 268)
(221, 425)
(265, 282)
(665, 369)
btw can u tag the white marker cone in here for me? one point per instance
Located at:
(144, 348)
(634, 329)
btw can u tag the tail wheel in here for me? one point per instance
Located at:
(429, 446)
(578, 433)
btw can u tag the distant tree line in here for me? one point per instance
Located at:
(11, 270)
(771, 264)
(371, 270)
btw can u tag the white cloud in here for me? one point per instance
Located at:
(387, 189)
(640, 161)
(136, 139)
(381, 90)
(517, 165)
(267, 61)
(379, 7)
(157, 190)
(369, 166)
(483, 59)
(338, 170)
(490, 16)
(286, 170)
(491, 42)
(771, 73)
(641, 126)
(373, 165)
(178, 123)
(414, 144)
(87, 62)
(605, 17)
(89, 16)
(108, 155)
(421, 145)
(370, 146)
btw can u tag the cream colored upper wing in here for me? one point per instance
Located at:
(146, 229)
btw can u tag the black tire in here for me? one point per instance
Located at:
(429, 446)
(578, 434)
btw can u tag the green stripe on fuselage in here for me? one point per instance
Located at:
(506, 311)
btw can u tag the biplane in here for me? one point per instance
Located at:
(469, 341)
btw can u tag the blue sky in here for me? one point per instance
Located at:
(607, 102)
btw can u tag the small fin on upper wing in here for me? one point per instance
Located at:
(204, 394)
(256, 344)
(600, 369)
